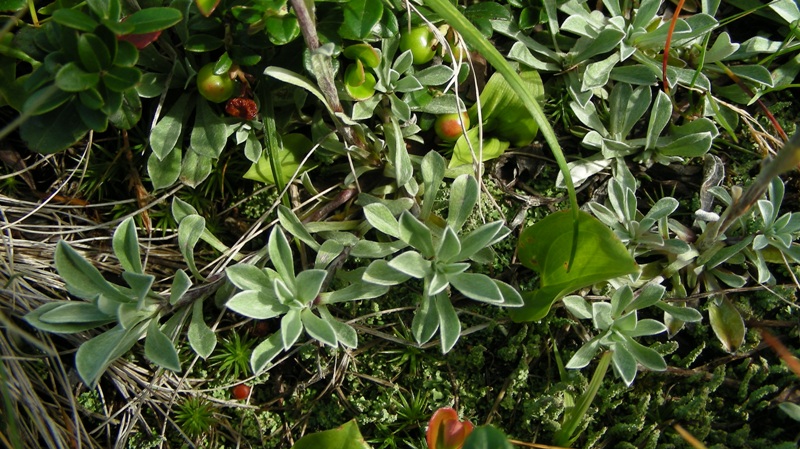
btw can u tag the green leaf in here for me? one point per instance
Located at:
(209, 133)
(189, 231)
(126, 246)
(426, 321)
(624, 364)
(93, 53)
(85, 315)
(411, 263)
(207, 7)
(82, 278)
(71, 78)
(449, 246)
(345, 437)
(354, 292)
(120, 79)
(727, 323)
(294, 149)
(381, 218)
(472, 148)
(53, 131)
(195, 168)
(158, 348)
(201, 338)
(94, 356)
(309, 285)
(449, 324)
(280, 253)
(648, 357)
(687, 314)
(487, 437)
(265, 352)
(345, 333)
(660, 115)
(140, 284)
(360, 16)
(74, 19)
(318, 328)
(477, 286)
(482, 237)
(791, 409)
(545, 248)
(291, 327)
(432, 168)
(380, 273)
(578, 307)
(291, 223)
(584, 355)
(151, 19)
(257, 304)
(180, 285)
(463, 197)
(165, 172)
(416, 234)
(398, 154)
(73, 312)
(282, 30)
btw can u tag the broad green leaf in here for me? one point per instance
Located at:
(791, 409)
(265, 352)
(416, 234)
(356, 291)
(545, 248)
(159, 349)
(584, 355)
(126, 246)
(165, 172)
(511, 297)
(449, 246)
(291, 328)
(620, 301)
(291, 223)
(432, 168)
(624, 364)
(120, 79)
(345, 333)
(477, 286)
(602, 315)
(153, 19)
(376, 250)
(71, 78)
(449, 324)
(434, 75)
(209, 133)
(180, 285)
(578, 307)
(73, 312)
(345, 437)
(318, 328)
(75, 19)
(34, 318)
(189, 231)
(648, 357)
(398, 154)
(464, 194)
(282, 30)
(487, 437)
(660, 115)
(381, 218)
(257, 304)
(140, 284)
(248, 277)
(380, 273)
(280, 253)
(411, 263)
(473, 148)
(309, 284)
(195, 168)
(295, 148)
(727, 323)
(93, 53)
(426, 321)
(201, 338)
(164, 136)
(82, 278)
(94, 356)
(483, 237)
(682, 313)
(645, 327)
(360, 16)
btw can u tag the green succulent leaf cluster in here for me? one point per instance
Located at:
(618, 326)
(136, 310)
(439, 256)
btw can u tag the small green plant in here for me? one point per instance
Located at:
(196, 417)
(231, 358)
(136, 310)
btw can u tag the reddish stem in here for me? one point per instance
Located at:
(668, 42)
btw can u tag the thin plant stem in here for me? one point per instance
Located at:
(575, 415)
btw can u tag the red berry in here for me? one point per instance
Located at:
(448, 126)
(241, 392)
